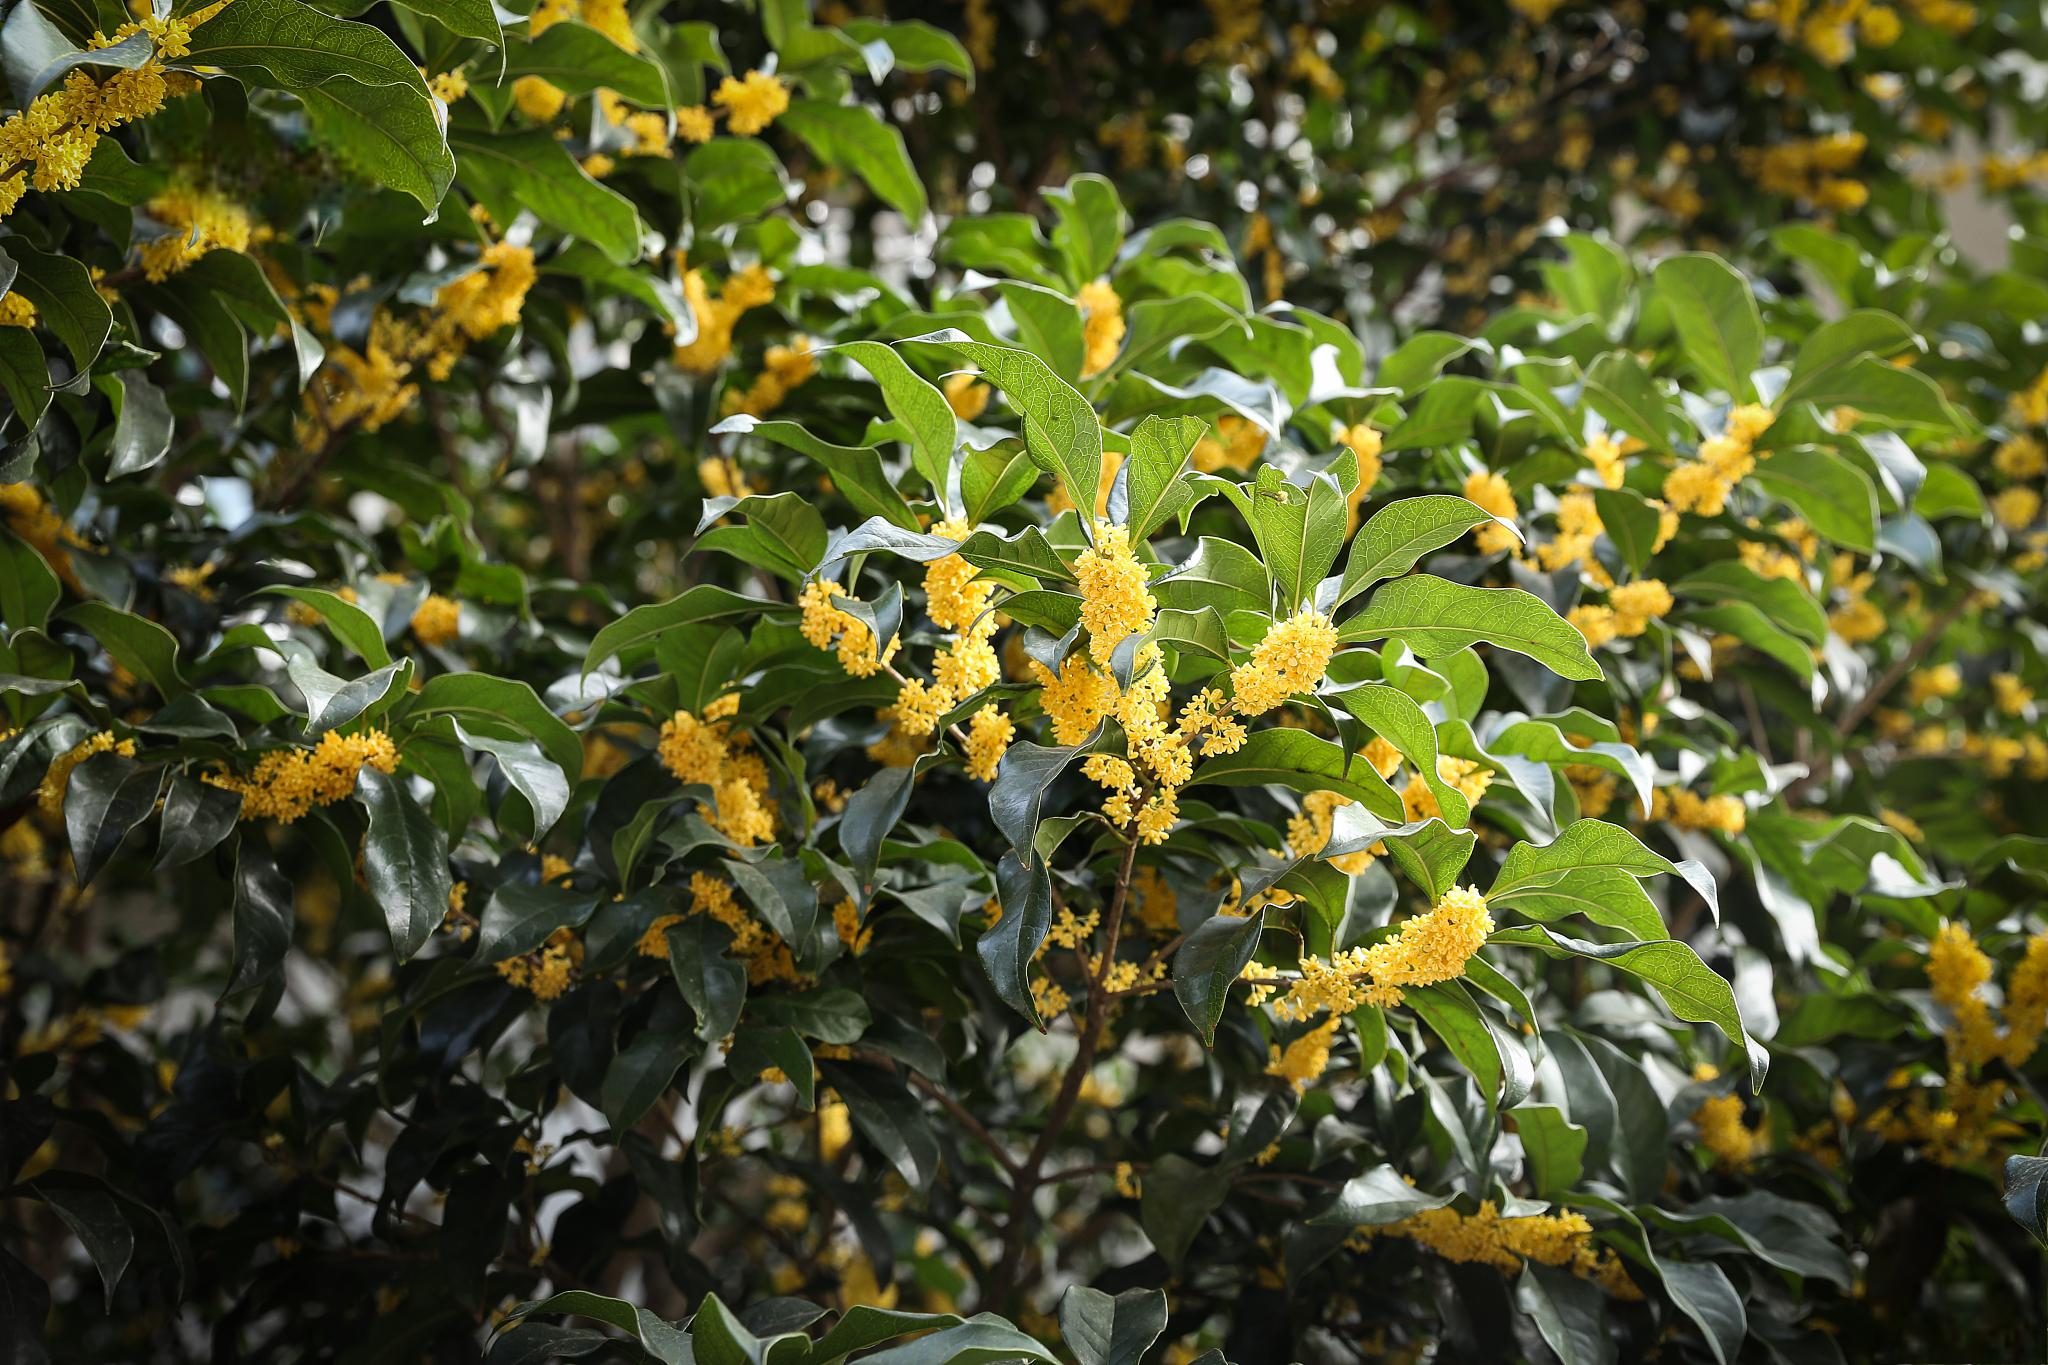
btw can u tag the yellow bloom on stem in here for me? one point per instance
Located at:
(287, 783)
(1102, 324)
(57, 777)
(437, 620)
(1292, 658)
(1723, 1133)
(1076, 698)
(1490, 490)
(200, 220)
(966, 395)
(988, 737)
(1304, 1059)
(1115, 602)
(693, 123)
(751, 102)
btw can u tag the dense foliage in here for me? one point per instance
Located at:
(725, 684)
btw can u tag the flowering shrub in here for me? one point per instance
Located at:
(663, 764)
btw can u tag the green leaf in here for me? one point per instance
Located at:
(361, 92)
(105, 798)
(578, 59)
(25, 374)
(916, 46)
(1570, 1312)
(1220, 574)
(1017, 796)
(1394, 716)
(1207, 965)
(1090, 230)
(197, 817)
(142, 432)
(94, 1215)
(1375, 1197)
(1060, 427)
(1719, 328)
(1104, 1330)
(531, 170)
(1784, 601)
(262, 915)
(1301, 762)
(1149, 490)
(2026, 1194)
(1554, 1147)
(1594, 279)
(1048, 324)
(913, 401)
(852, 138)
(863, 1326)
(1693, 990)
(981, 1340)
(28, 587)
(885, 1113)
(67, 304)
(1753, 628)
(1434, 616)
(1835, 497)
(1006, 950)
(521, 915)
(138, 644)
(1419, 359)
(871, 813)
(1395, 537)
(501, 708)
(1896, 396)
(1584, 844)
(1622, 391)
(1443, 416)
(1177, 1199)
(1630, 522)
(713, 984)
(705, 602)
(345, 621)
(640, 1074)
(856, 471)
(405, 861)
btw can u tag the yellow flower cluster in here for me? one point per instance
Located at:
(1491, 492)
(1628, 612)
(966, 395)
(1967, 1123)
(784, 368)
(371, 387)
(823, 623)
(1305, 1059)
(957, 600)
(1292, 658)
(25, 513)
(1430, 947)
(1236, 444)
(1102, 326)
(1364, 441)
(48, 145)
(846, 923)
(547, 971)
(1486, 1237)
(1721, 813)
(1076, 698)
(437, 620)
(287, 783)
(1811, 170)
(1115, 602)
(988, 738)
(717, 315)
(1702, 485)
(699, 751)
(766, 957)
(1938, 683)
(1308, 832)
(1733, 1143)
(1466, 775)
(200, 220)
(1606, 454)
(1578, 526)
(1155, 902)
(57, 777)
(751, 102)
